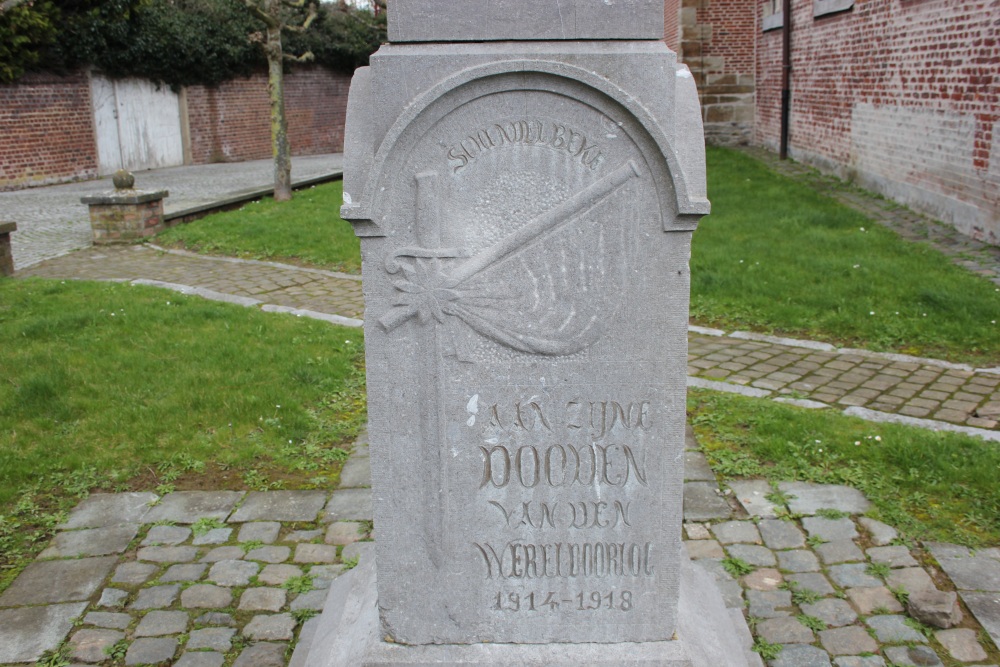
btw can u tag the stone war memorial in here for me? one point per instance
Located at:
(525, 177)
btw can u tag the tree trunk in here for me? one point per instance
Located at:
(279, 128)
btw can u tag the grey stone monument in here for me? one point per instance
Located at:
(525, 177)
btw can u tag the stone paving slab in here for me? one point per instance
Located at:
(27, 632)
(109, 509)
(44, 582)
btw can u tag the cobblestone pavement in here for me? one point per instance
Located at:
(820, 373)
(193, 578)
(212, 578)
(271, 283)
(968, 253)
(51, 221)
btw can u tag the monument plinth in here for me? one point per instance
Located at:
(526, 210)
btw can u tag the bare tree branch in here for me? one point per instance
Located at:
(304, 58)
(308, 20)
(259, 13)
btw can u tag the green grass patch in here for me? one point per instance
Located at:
(307, 230)
(115, 387)
(777, 256)
(931, 486)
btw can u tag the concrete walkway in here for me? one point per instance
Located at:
(51, 221)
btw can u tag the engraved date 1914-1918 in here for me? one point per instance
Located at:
(551, 601)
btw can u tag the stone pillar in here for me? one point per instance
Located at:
(125, 215)
(525, 178)
(6, 254)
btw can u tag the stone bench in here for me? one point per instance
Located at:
(6, 254)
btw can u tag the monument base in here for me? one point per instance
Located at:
(347, 635)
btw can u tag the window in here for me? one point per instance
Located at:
(773, 17)
(824, 7)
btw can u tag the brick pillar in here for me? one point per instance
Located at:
(6, 255)
(123, 216)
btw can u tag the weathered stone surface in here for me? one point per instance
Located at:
(280, 506)
(356, 473)
(344, 532)
(270, 554)
(156, 597)
(763, 579)
(189, 506)
(480, 20)
(214, 536)
(168, 554)
(830, 529)
(853, 575)
(160, 623)
(110, 509)
(222, 553)
(262, 654)
(895, 556)
(779, 534)
(43, 582)
(978, 573)
(880, 533)
(216, 639)
(166, 535)
(769, 604)
(933, 607)
(697, 531)
(833, 612)
(986, 608)
(353, 551)
(962, 644)
(859, 661)
(259, 531)
(309, 600)
(752, 554)
(201, 659)
(752, 495)
(104, 619)
(810, 498)
(315, 553)
(112, 597)
(894, 630)
(151, 651)
(349, 505)
(270, 627)
(911, 579)
(232, 572)
(875, 599)
(801, 655)
(915, 656)
(216, 618)
(812, 581)
(696, 468)
(184, 572)
(276, 575)
(323, 574)
(133, 573)
(262, 599)
(786, 630)
(30, 631)
(91, 542)
(732, 532)
(702, 502)
(797, 560)
(304, 535)
(698, 549)
(89, 645)
(851, 640)
(840, 551)
(206, 596)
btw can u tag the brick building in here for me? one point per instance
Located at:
(900, 96)
(55, 128)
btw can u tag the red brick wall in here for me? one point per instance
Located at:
(231, 122)
(718, 39)
(47, 131)
(671, 24)
(901, 95)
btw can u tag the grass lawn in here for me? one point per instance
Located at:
(931, 486)
(114, 387)
(307, 231)
(775, 256)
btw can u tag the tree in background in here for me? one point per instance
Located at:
(279, 15)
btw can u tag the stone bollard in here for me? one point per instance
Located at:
(6, 254)
(125, 214)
